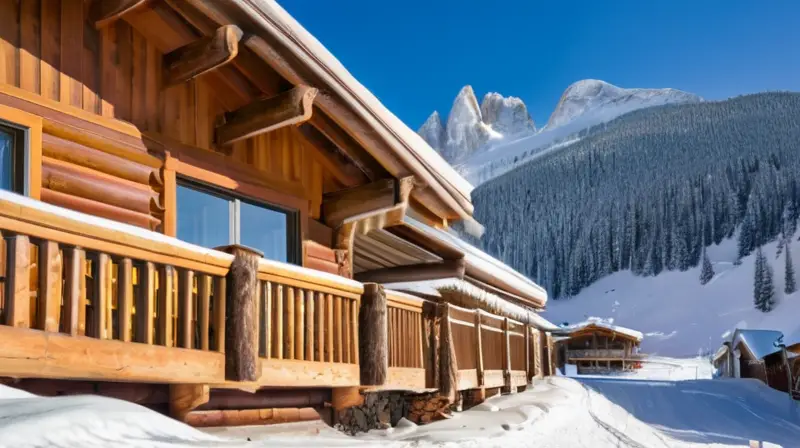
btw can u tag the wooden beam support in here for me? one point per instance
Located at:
(415, 272)
(203, 55)
(331, 157)
(288, 108)
(105, 12)
(373, 336)
(365, 200)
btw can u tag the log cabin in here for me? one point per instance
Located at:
(759, 354)
(200, 208)
(598, 348)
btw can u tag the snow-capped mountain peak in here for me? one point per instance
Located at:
(433, 131)
(596, 101)
(506, 115)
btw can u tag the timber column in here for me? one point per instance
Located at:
(241, 311)
(373, 334)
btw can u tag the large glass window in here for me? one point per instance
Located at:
(12, 161)
(209, 217)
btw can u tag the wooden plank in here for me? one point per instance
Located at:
(277, 348)
(259, 117)
(165, 305)
(289, 318)
(320, 316)
(479, 346)
(373, 198)
(71, 55)
(299, 326)
(108, 76)
(49, 294)
(74, 322)
(185, 308)
(9, 43)
(17, 292)
(266, 330)
(338, 332)
(37, 354)
(146, 303)
(354, 348)
(102, 296)
(345, 326)
(219, 313)
(204, 304)
(415, 272)
(329, 328)
(89, 70)
(125, 298)
(420, 344)
(30, 48)
(105, 12)
(203, 55)
(51, 49)
(124, 71)
(310, 325)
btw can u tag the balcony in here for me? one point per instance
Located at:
(601, 355)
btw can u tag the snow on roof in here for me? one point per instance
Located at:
(600, 323)
(760, 343)
(721, 352)
(432, 287)
(482, 261)
(334, 70)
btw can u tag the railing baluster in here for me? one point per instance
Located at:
(278, 347)
(74, 291)
(186, 296)
(145, 303)
(309, 325)
(329, 328)
(299, 325)
(267, 342)
(165, 294)
(346, 330)
(204, 300)
(320, 308)
(354, 331)
(337, 312)
(101, 302)
(125, 298)
(18, 274)
(219, 313)
(479, 346)
(49, 286)
(289, 349)
(420, 345)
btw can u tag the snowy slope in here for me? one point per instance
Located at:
(502, 136)
(678, 315)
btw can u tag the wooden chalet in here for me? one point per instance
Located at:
(598, 348)
(758, 354)
(199, 207)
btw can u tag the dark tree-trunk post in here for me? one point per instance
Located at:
(373, 335)
(241, 315)
(448, 381)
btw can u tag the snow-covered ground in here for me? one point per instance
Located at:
(679, 316)
(555, 412)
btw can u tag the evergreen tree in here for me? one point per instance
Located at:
(767, 288)
(707, 273)
(789, 287)
(758, 279)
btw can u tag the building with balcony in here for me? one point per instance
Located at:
(596, 347)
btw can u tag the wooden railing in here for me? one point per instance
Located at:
(90, 300)
(406, 348)
(308, 327)
(601, 354)
(491, 351)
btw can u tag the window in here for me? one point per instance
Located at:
(210, 217)
(12, 159)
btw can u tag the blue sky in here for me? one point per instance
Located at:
(415, 55)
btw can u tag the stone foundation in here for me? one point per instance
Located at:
(382, 410)
(428, 408)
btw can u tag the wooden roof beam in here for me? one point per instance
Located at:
(259, 117)
(106, 12)
(414, 272)
(362, 202)
(330, 157)
(202, 55)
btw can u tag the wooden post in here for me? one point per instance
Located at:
(329, 357)
(204, 304)
(309, 325)
(354, 347)
(185, 309)
(373, 336)
(268, 326)
(125, 298)
(299, 324)
(145, 303)
(220, 304)
(320, 307)
(277, 349)
(337, 323)
(18, 274)
(448, 381)
(183, 398)
(527, 352)
(74, 291)
(289, 318)
(49, 286)
(506, 357)
(102, 296)
(241, 330)
(479, 347)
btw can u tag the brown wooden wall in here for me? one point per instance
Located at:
(48, 48)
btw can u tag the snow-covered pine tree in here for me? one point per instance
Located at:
(789, 284)
(707, 273)
(767, 287)
(758, 279)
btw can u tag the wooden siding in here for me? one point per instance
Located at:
(48, 48)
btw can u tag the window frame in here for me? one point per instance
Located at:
(27, 128)
(293, 229)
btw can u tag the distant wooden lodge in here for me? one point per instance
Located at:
(598, 348)
(199, 207)
(758, 354)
